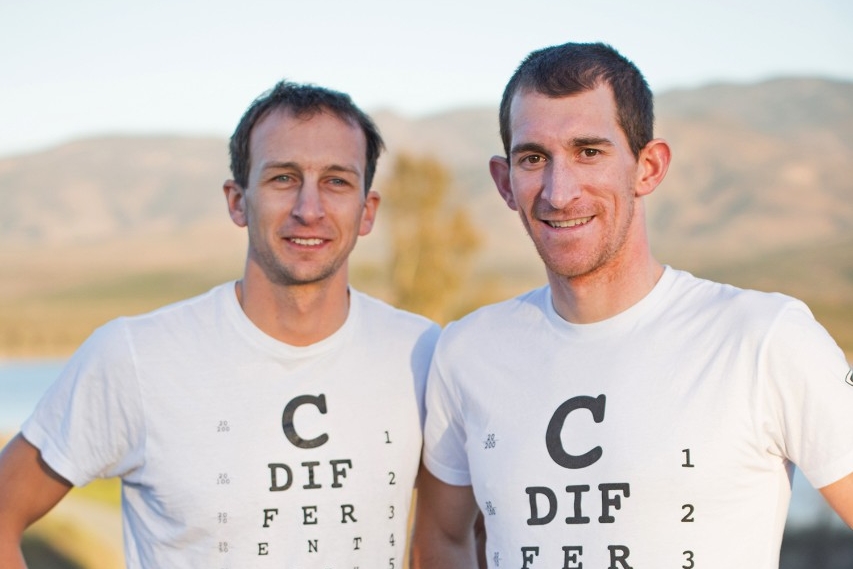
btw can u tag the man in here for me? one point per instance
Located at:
(627, 415)
(273, 421)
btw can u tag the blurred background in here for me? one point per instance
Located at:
(114, 119)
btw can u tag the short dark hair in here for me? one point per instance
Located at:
(572, 68)
(303, 100)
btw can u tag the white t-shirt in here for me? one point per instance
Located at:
(661, 437)
(236, 450)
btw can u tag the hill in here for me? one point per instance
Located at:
(760, 193)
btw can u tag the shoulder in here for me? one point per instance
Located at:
(530, 305)
(388, 320)
(203, 307)
(727, 303)
(162, 326)
(526, 310)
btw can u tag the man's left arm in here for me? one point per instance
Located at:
(812, 393)
(839, 495)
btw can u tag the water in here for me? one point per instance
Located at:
(22, 383)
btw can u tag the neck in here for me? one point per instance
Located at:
(610, 289)
(596, 297)
(298, 315)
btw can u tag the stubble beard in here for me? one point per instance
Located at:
(590, 262)
(280, 274)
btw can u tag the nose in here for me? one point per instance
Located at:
(561, 186)
(309, 203)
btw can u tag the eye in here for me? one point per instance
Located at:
(590, 152)
(532, 159)
(338, 183)
(282, 178)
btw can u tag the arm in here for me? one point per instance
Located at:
(444, 536)
(839, 495)
(28, 490)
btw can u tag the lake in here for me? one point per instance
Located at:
(22, 383)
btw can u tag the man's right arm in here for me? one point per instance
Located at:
(444, 536)
(29, 488)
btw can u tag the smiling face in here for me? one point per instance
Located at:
(573, 180)
(305, 204)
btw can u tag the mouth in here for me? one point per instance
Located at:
(569, 222)
(306, 241)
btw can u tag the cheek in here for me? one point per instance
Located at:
(266, 215)
(624, 206)
(616, 189)
(349, 212)
(526, 187)
(255, 212)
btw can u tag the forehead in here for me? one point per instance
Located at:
(535, 116)
(321, 139)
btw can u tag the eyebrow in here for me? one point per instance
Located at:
(577, 142)
(591, 141)
(295, 166)
(346, 169)
(279, 166)
(528, 147)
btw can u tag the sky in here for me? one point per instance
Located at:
(86, 68)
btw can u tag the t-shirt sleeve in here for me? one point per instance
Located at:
(444, 434)
(89, 424)
(422, 357)
(812, 395)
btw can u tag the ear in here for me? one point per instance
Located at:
(652, 166)
(368, 214)
(235, 196)
(499, 168)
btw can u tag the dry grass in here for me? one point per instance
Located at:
(54, 321)
(71, 537)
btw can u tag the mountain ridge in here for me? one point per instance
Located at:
(760, 172)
